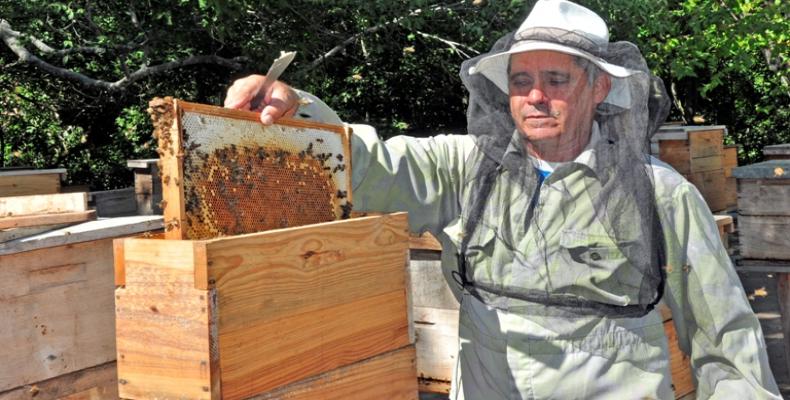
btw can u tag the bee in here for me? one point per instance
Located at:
(172, 224)
(339, 157)
(346, 210)
(319, 140)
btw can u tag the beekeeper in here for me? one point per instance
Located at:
(560, 233)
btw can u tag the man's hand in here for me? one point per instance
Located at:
(274, 102)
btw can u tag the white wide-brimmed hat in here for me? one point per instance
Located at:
(565, 27)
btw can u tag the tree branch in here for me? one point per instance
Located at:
(12, 39)
(353, 38)
(454, 46)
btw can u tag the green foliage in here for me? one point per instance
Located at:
(33, 133)
(396, 65)
(726, 61)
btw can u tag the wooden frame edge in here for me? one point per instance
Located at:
(174, 212)
(347, 132)
(398, 214)
(172, 164)
(200, 255)
(119, 261)
(254, 116)
(32, 220)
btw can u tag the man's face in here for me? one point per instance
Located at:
(551, 100)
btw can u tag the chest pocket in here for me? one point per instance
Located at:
(598, 267)
(479, 250)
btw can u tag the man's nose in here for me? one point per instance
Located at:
(536, 96)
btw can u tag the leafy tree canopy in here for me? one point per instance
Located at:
(76, 76)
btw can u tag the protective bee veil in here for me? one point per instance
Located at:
(552, 236)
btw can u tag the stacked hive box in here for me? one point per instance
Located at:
(313, 309)
(435, 311)
(764, 209)
(114, 203)
(726, 227)
(763, 224)
(23, 182)
(777, 152)
(697, 152)
(318, 311)
(147, 186)
(57, 311)
(730, 162)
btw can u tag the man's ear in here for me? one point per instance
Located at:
(601, 87)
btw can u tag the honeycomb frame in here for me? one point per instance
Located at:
(224, 173)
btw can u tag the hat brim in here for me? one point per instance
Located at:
(494, 67)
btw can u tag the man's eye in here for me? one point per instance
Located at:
(520, 83)
(558, 82)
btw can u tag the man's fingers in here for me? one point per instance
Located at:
(237, 97)
(281, 101)
(274, 102)
(241, 93)
(275, 110)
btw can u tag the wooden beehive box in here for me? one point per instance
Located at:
(726, 227)
(764, 209)
(57, 310)
(114, 203)
(435, 311)
(730, 162)
(317, 311)
(697, 153)
(25, 182)
(777, 152)
(147, 186)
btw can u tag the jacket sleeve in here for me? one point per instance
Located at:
(420, 175)
(423, 176)
(713, 318)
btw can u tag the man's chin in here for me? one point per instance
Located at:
(539, 134)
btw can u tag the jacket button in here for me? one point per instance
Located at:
(595, 256)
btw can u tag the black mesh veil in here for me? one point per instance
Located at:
(598, 248)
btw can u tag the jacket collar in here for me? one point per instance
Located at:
(587, 159)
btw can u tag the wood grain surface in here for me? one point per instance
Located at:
(164, 324)
(46, 219)
(43, 204)
(56, 308)
(387, 376)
